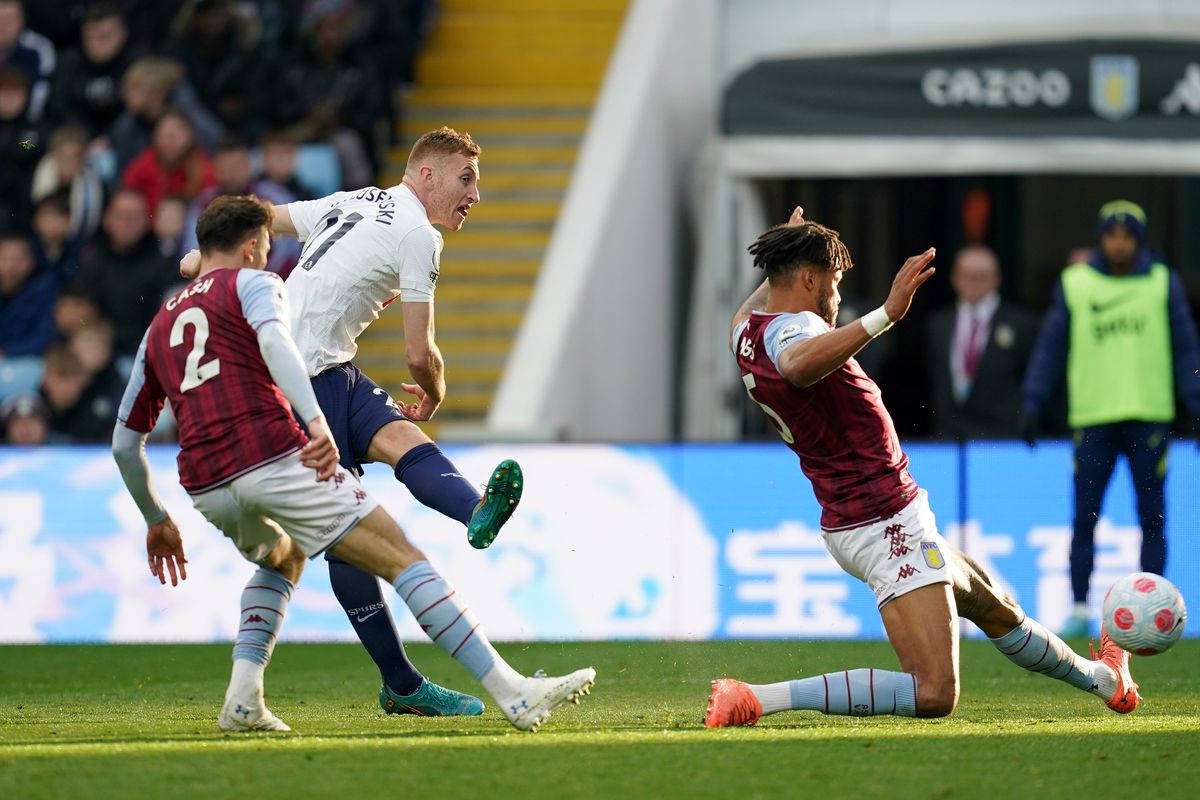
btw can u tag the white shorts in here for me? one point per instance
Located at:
(255, 509)
(894, 556)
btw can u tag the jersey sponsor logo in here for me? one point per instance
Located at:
(1114, 94)
(906, 571)
(932, 555)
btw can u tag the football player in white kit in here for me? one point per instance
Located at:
(362, 250)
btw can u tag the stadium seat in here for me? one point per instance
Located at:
(317, 167)
(19, 375)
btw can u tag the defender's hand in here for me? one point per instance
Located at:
(797, 216)
(321, 452)
(189, 265)
(423, 409)
(908, 280)
(164, 545)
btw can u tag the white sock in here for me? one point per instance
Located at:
(855, 692)
(246, 681)
(1031, 646)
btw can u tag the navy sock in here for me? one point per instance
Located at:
(360, 596)
(435, 482)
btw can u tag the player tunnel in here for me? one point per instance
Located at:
(1014, 144)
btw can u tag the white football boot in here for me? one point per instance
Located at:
(248, 715)
(532, 699)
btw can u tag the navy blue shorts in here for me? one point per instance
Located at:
(355, 408)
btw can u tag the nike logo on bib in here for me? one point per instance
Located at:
(1098, 308)
(366, 617)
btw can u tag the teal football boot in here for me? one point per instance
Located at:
(430, 700)
(498, 503)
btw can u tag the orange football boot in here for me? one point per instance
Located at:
(1126, 697)
(731, 703)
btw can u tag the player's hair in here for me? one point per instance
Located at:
(784, 249)
(230, 220)
(445, 141)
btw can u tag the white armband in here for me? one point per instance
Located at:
(875, 322)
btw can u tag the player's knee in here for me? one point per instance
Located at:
(937, 696)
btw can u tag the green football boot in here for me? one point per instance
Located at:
(430, 700)
(498, 503)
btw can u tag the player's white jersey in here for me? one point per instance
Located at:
(362, 249)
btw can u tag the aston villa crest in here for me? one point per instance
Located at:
(1114, 86)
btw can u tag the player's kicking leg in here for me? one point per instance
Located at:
(1028, 644)
(378, 544)
(435, 482)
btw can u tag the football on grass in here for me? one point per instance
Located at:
(1144, 613)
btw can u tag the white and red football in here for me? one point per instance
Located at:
(1144, 613)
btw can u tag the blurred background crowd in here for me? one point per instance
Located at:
(120, 120)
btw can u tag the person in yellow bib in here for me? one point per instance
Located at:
(1121, 328)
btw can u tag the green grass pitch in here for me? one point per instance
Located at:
(140, 721)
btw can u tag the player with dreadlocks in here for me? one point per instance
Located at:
(875, 520)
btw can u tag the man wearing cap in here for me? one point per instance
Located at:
(1121, 328)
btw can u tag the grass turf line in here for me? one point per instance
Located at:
(108, 721)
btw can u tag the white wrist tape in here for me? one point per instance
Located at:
(876, 322)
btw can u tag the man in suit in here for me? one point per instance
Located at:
(978, 350)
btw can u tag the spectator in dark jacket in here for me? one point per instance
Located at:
(217, 44)
(978, 350)
(54, 249)
(343, 113)
(28, 51)
(21, 145)
(87, 88)
(26, 300)
(92, 345)
(123, 272)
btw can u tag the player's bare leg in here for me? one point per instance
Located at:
(378, 545)
(920, 625)
(435, 482)
(1027, 643)
(264, 603)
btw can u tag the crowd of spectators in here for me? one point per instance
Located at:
(120, 120)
